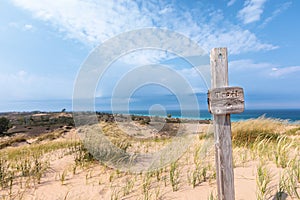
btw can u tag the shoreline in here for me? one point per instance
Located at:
(67, 162)
(290, 115)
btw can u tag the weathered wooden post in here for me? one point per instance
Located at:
(223, 101)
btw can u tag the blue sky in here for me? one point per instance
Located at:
(44, 43)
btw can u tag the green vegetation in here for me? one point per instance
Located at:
(174, 176)
(270, 141)
(4, 125)
(273, 143)
(143, 120)
(263, 179)
(246, 133)
(290, 178)
(293, 131)
(12, 141)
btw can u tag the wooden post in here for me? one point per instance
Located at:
(222, 128)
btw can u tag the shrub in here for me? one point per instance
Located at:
(4, 125)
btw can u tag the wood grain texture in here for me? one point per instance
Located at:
(226, 100)
(222, 128)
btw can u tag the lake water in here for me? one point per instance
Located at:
(57, 105)
(292, 115)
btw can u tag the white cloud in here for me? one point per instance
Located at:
(144, 57)
(198, 79)
(92, 22)
(268, 69)
(168, 9)
(21, 26)
(231, 2)
(114, 77)
(28, 27)
(237, 40)
(13, 25)
(276, 12)
(251, 11)
(26, 86)
(89, 21)
(250, 64)
(280, 72)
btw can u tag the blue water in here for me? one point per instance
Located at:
(292, 115)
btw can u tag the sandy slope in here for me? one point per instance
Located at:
(95, 181)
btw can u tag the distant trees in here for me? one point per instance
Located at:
(62, 120)
(142, 119)
(4, 124)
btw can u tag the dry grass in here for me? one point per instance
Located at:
(272, 141)
(13, 141)
(245, 133)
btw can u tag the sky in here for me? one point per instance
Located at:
(45, 44)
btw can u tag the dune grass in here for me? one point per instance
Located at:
(268, 140)
(245, 133)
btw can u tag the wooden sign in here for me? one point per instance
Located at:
(223, 101)
(226, 100)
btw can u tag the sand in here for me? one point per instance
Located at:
(96, 181)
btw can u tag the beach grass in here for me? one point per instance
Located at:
(262, 143)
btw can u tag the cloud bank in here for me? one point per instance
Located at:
(92, 22)
(252, 11)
